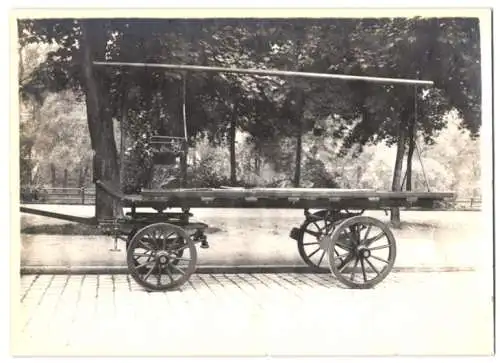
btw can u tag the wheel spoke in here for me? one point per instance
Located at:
(146, 247)
(380, 259)
(344, 245)
(376, 238)
(354, 269)
(373, 267)
(177, 268)
(321, 258)
(149, 272)
(341, 256)
(312, 233)
(156, 237)
(313, 253)
(337, 253)
(158, 277)
(311, 243)
(142, 254)
(351, 236)
(367, 233)
(180, 258)
(173, 243)
(363, 269)
(326, 227)
(169, 274)
(178, 249)
(344, 264)
(379, 247)
(166, 239)
(143, 264)
(151, 238)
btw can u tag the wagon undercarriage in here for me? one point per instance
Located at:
(358, 250)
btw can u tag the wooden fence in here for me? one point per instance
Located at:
(72, 196)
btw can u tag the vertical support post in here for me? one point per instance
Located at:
(185, 143)
(123, 128)
(184, 117)
(82, 193)
(412, 130)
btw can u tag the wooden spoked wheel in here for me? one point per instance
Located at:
(316, 226)
(169, 240)
(161, 257)
(362, 252)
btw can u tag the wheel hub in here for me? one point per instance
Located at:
(162, 257)
(364, 252)
(325, 242)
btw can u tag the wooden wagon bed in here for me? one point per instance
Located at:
(299, 198)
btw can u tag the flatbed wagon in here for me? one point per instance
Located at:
(358, 250)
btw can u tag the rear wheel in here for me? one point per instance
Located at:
(316, 226)
(361, 252)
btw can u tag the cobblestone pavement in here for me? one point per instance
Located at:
(255, 314)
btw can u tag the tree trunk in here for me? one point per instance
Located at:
(100, 126)
(232, 148)
(80, 178)
(396, 181)
(65, 180)
(183, 166)
(298, 157)
(30, 165)
(85, 175)
(52, 175)
(297, 111)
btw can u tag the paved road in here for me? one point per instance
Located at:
(256, 314)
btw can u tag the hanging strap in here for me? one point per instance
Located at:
(184, 117)
(423, 169)
(418, 149)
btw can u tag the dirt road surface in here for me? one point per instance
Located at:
(246, 237)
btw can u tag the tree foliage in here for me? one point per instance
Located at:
(280, 116)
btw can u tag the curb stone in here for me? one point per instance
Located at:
(96, 270)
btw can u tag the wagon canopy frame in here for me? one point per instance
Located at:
(184, 69)
(266, 72)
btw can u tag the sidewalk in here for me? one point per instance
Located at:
(255, 314)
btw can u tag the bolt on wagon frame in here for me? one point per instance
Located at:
(359, 250)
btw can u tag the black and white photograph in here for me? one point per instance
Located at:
(258, 183)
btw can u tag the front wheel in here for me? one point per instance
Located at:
(153, 257)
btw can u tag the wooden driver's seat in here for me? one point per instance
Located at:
(166, 151)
